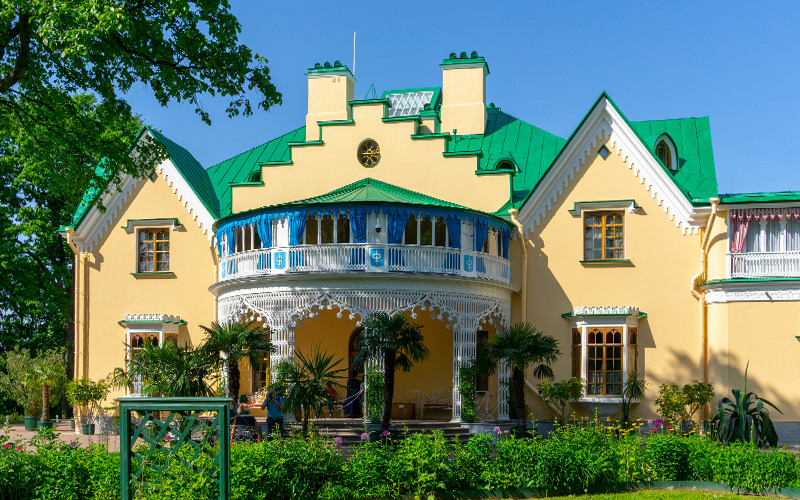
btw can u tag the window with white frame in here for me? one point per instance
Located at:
(604, 348)
(142, 329)
(764, 242)
(326, 229)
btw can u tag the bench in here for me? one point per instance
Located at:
(442, 400)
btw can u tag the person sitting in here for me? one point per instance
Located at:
(244, 426)
(274, 405)
(330, 400)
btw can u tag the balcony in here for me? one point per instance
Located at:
(367, 258)
(764, 264)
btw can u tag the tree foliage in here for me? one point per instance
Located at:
(65, 67)
(306, 379)
(24, 376)
(235, 341)
(561, 394)
(522, 345)
(398, 343)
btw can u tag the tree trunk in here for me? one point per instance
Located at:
(388, 389)
(45, 402)
(234, 375)
(518, 388)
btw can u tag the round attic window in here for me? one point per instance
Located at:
(368, 153)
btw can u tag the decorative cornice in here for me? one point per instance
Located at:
(751, 291)
(580, 206)
(605, 123)
(187, 197)
(153, 318)
(604, 311)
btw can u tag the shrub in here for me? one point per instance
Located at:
(515, 464)
(702, 451)
(561, 394)
(467, 387)
(746, 468)
(468, 460)
(667, 456)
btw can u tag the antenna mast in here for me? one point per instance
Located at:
(354, 53)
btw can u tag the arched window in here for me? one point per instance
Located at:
(665, 151)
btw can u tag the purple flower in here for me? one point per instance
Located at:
(386, 433)
(364, 436)
(337, 441)
(658, 423)
(497, 429)
(74, 444)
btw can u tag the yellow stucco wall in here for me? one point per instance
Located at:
(657, 279)
(113, 291)
(763, 334)
(417, 165)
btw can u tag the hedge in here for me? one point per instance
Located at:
(573, 460)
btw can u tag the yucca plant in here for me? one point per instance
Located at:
(745, 418)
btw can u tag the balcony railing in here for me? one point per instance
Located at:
(764, 265)
(371, 258)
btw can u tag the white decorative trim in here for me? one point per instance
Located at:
(629, 205)
(605, 310)
(607, 124)
(173, 224)
(754, 291)
(169, 318)
(95, 223)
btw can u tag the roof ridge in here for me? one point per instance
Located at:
(254, 147)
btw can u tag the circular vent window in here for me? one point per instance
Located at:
(368, 153)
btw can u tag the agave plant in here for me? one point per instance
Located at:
(745, 418)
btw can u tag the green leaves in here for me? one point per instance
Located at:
(745, 418)
(306, 379)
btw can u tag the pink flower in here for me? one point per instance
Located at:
(20, 448)
(669, 427)
(653, 432)
(7, 446)
(364, 436)
(337, 441)
(386, 433)
(497, 429)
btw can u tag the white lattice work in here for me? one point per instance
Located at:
(408, 103)
(282, 309)
(503, 378)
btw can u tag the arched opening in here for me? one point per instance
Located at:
(352, 352)
(665, 151)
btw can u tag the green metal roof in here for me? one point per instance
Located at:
(239, 168)
(187, 165)
(696, 175)
(191, 170)
(766, 197)
(374, 191)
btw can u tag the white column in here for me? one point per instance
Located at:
(283, 340)
(464, 350)
(503, 377)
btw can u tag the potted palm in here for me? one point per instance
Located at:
(49, 372)
(17, 384)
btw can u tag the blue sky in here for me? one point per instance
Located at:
(736, 62)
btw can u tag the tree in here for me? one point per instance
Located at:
(49, 372)
(16, 382)
(169, 371)
(521, 345)
(64, 70)
(305, 380)
(396, 341)
(234, 341)
(561, 394)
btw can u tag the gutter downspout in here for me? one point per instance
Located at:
(695, 289)
(78, 303)
(521, 229)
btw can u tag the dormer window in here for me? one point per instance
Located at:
(665, 151)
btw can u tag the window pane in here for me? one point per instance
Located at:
(441, 233)
(426, 231)
(327, 230)
(342, 230)
(311, 230)
(411, 231)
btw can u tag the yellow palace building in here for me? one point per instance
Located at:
(434, 203)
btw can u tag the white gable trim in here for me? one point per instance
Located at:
(605, 122)
(95, 224)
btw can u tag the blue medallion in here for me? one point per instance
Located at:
(376, 257)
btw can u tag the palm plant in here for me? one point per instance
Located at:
(49, 371)
(522, 345)
(745, 418)
(234, 341)
(398, 342)
(306, 379)
(169, 371)
(632, 391)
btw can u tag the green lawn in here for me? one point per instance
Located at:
(663, 495)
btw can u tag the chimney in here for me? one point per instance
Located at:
(464, 93)
(330, 87)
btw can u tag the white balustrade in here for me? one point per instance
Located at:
(356, 257)
(764, 265)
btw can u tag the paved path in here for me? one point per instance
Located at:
(17, 433)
